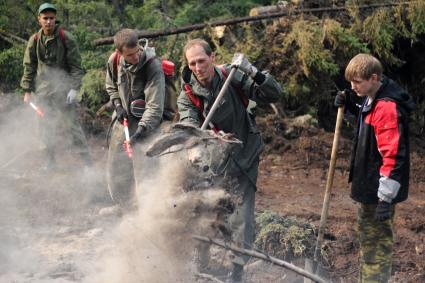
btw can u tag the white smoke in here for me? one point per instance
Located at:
(50, 226)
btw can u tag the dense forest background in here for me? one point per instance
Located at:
(307, 52)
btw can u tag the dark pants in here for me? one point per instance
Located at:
(120, 172)
(124, 173)
(242, 221)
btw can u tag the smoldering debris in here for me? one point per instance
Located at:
(157, 244)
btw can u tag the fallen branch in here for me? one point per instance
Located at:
(285, 13)
(262, 256)
(209, 277)
(11, 38)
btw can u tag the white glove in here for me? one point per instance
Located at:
(71, 98)
(240, 61)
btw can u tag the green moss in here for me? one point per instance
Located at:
(284, 237)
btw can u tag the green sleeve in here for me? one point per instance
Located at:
(187, 111)
(30, 66)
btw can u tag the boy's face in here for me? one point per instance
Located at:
(365, 87)
(200, 64)
(47, 21)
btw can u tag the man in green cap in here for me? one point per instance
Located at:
(52, 71)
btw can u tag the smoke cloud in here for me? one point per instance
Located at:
(51, 228)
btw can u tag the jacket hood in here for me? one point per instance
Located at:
(147, 55)
(389, 89)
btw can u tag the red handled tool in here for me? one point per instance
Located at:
(37, 109)
(127, 145)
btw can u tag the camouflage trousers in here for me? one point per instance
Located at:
(376, 245)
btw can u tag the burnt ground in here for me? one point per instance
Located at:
(292, 182)
(54, 228)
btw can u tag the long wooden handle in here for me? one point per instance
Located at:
(329, 182)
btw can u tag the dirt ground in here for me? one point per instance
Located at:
(57, 227)
(292, 182)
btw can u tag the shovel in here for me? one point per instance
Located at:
(218, 99)
(309, 265)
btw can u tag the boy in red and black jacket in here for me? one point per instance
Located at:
(380, 161)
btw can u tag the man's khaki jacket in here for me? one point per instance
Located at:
(142, 81)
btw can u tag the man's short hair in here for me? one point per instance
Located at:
(200, 42)
(125, 38)
(363, 66)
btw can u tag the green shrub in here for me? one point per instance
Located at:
(93, 89)
(380, 31)
(416, 16)
(11, 67)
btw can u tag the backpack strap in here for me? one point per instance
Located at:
(62, 36)
(115, 62)
(194, 99)
(197, 102)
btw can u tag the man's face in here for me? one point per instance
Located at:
(132, 55)
(365, 87)
(200, 64)
(47, 21)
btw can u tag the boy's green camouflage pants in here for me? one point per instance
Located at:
(376, 245)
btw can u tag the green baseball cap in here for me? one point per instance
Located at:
(46, 6)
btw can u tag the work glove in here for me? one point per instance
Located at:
(138, 135)
(383, 211)
(121, 113)
(71, 98)
(240, 61)
(340, 98)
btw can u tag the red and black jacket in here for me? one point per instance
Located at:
(381, 143)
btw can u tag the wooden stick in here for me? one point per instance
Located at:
(329, 183)
(262, 256)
